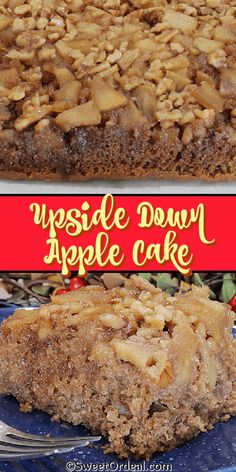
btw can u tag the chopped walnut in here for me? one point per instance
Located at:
(30, 117)
(112, 321)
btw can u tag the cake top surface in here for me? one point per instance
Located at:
(130, 64)
(137, 301)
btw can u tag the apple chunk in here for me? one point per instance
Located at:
(180, 21)
(146, 101)
(228, 82)
(86, 114)
(209, 97)
(106, 97)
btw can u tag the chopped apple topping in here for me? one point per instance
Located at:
(142, 63)
(151, 360)
(112, 321)
(156, 320)
(179, 79)
(207, 45)
(67, 96)
(5, 21)
(146, 101)
(224, 33)
(82, 115)
(131, 114)
(228, 82)
(209, 314)
(138, 324)
(179, 20)
(166, 377)
(208, 97)
(184, 336)
(134, 352)
(45, 328)
(105, 97)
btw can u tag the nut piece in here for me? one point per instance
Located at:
(24, 56)
(82, 115)
(112, 321)
(224, 33)
(105, 97)
(37, 114)
(70, 91)
(16, 94)
(156, 320)
(9, 78)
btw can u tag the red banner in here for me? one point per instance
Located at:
(136, 233)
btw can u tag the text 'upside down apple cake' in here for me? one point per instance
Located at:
(147, 370)
(117, 89)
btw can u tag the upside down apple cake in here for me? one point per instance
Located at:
(117, 89)
(145, 369)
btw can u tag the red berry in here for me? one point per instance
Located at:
(61, 291)
(76, 283)
(232, 303)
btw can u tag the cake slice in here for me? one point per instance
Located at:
(147, 370)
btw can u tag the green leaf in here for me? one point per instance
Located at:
(145, 275)
(41, 289)
(165, 282)
(198, 281)
(228, 289)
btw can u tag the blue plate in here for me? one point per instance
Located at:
(211, 451)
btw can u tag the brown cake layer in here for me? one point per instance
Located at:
(117, 89)
(89, 153)
(146, 370)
